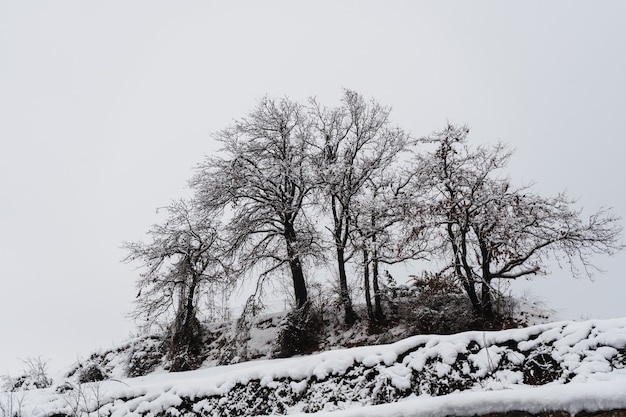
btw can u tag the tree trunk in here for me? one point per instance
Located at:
(463, 272)
(186, 333)
(486, 304)
(190, 310)
(366, 284)
(340, 237)
(469, 275)
(299, 284)
(378, 306)
(350, 315)
(187, 310)
(486, 301)
(297, 275)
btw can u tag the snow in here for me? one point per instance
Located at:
(571, 398)
(464, 374)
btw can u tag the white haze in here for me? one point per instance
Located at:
(105, 108)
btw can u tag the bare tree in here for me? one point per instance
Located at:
(262, 179)
(181, 260)
(493, 230)
(355, 143)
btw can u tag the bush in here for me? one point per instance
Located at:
(145, 355)
(433, 304)
(35, 376)
(184, 346)
(541, 368)
(299, 332)
(91, 372)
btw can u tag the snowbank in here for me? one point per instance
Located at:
(573, 399)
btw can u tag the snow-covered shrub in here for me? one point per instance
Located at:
(414, 285)
(299, 332)
(436, 304)
(541, 368)
(80, 399)
(91, 372)
(35, 376)
(433, 312)
(619, 360)
(145, 355)
(429, 284)
(184, 345)
(234, 346)
(443, 314)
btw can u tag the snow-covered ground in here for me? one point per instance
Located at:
(590, 397)
(569, 366)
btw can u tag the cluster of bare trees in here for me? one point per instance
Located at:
(298, 184)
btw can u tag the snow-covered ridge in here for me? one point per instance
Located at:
(579, 366)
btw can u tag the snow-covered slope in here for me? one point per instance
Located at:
(569, 366)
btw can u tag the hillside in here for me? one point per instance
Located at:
(253, 337)
(569, 367)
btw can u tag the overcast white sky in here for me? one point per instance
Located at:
(105, 107)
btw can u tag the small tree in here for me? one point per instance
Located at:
(182, 259)
(492, 230)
